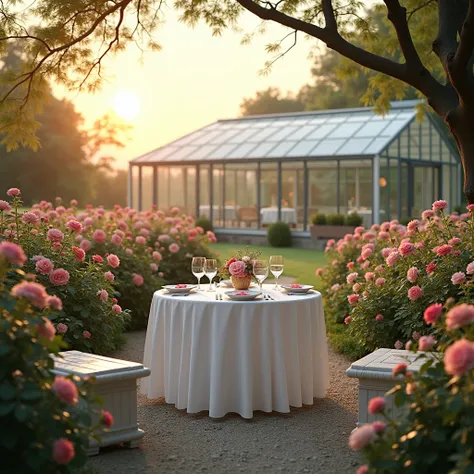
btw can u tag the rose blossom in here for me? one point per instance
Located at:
(109, 275)
(347, 320)
(379, 426)
(415, 292)
(459, 357)
(13, 253)
(59, 277)
(366, 253)
(376, 405)
(46, 329)
(34, 292)
(399, 369)
(97, 258)
(137, 279)
(392, 258)
(351, 278)
(379, 317)
(430, 268)
(380, 281)
(416, 335)
(54, 302)
(319, 271)
(157, 256)
(55, 235)
(62, 328)
(432, 313)
(470, 268)
(237, 268)
(116, 239)
(353, 299)
(113, 261)
(30, 218)
(107, 417)
(116, 308)
(99, 236)
(74, 226)
(398, 345)
(406, 249)
(79, 254)
(66, 390)
(85, 245)
(4, 206)
(444, 250)
(369, 276)
(174, 248)
(140, 240)
(153, 267)
(458, 278)
(129, 251)
(12, 192)
(439, 205)
(426, 343)
(86, 335)
(460, 316)
(63, 451)
(44, 266)
(356, 287)
(361, 437)
(413, 225)
(103, 295)
(412, 274)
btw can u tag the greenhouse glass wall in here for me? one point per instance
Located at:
(246, 173)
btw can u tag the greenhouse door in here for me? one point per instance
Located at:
(423, 188)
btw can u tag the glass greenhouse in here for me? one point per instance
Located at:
(243, 174)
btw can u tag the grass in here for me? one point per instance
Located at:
(299, 263)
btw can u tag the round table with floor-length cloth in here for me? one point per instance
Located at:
(236, 357)
(270, 215)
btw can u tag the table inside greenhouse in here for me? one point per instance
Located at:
(270, 215)
(225, 356)
(230, 212)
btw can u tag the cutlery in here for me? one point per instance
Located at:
(180, 294)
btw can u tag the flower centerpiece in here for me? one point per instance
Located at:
(239, 269)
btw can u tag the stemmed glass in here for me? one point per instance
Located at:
(260, 271)
(197, 267)
(210, 269)
(276, 267)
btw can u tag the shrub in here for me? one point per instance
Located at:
(435, 432)
(336, 219)
(279, 234)
(319, 219)
(353, 219)
(46, 420)
(383, 278)
(205, 223)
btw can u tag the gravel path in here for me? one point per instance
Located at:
(310, 439)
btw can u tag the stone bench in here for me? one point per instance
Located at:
(116, 384)
(374, 372)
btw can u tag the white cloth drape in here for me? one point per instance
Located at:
(270, 215)
(225, 356)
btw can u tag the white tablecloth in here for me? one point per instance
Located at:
(230, 212)
(227, 356)
(270, 215)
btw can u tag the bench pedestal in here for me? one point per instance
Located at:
(116, 384)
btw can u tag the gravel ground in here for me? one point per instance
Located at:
(310, 439)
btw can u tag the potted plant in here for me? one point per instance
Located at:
(239, 269)
(333, 226)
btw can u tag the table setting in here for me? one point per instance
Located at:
(240, 348)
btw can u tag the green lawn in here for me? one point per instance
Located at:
(299, 263)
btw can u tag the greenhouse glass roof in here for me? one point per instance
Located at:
(328, 133)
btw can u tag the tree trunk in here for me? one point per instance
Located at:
(461, 123)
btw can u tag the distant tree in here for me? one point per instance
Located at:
(270, 101)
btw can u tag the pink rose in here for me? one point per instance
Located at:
(46, 329)
(12, 253)
(85, 245)
(427, 214)
(459, 357)
(54, 302)
(319, 271)
(379, 317)
(55, 235)
(376, 405)
(110, 276)
(353, 299)
(44, 266)
(4, 206)
(458, 278)
(412, 274)
(432, 313)
(413, 225)
(140, 240)
(361, 437)
(444, 250)
(406, 249)
(63, 451)
(107, 417)
(62, 328)
(137, 279)
(426, 343)
(153, 267)
(74, 226)
(237, 268)
(157, 256)
(59, 277)
(99, 236)
(414, 293)
(356, 287)
(79, 254)
(399, 369)
(116, 239)
(13, 192)
(439, 205)
(351, 278)
(30, 218)
(113, 260)
(34, 292)
(398, 344)
(380, 281)
(392, 259)
(97, 258)
(379, 426)
(103, 295)
(347, 320)
(369, 276)
(470, 268)
(129, 251)
(116, 308)
(173, 248)
(86, 335)
(416, 335)
(430, 268)
(66, 390)
(459, 316)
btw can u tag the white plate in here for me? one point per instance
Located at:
(249, 295)
(173, 289)
(303, 289)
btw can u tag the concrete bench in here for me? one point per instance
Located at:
(116, 384)
(374, 372)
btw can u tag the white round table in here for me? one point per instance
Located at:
(270, 215)
(236, 357)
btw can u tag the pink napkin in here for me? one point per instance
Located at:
(181, 286)
(295, 285)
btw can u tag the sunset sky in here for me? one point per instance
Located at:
(195, 80)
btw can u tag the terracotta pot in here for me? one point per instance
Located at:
(241, 283)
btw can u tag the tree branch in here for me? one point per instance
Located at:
(459, 63)
(329, 16)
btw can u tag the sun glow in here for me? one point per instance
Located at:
(126, 105)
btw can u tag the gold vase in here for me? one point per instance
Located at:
(241, 283)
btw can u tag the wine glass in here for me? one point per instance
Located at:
(276, 267)
(210, 269)
(197, 267)
(260, 271)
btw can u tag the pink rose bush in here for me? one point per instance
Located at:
(399, 273)
(433, 431)
(45, 417)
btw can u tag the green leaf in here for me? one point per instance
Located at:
(7, 391)
(6, 407)
(22, 412)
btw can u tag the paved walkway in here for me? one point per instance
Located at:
(311, 439)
